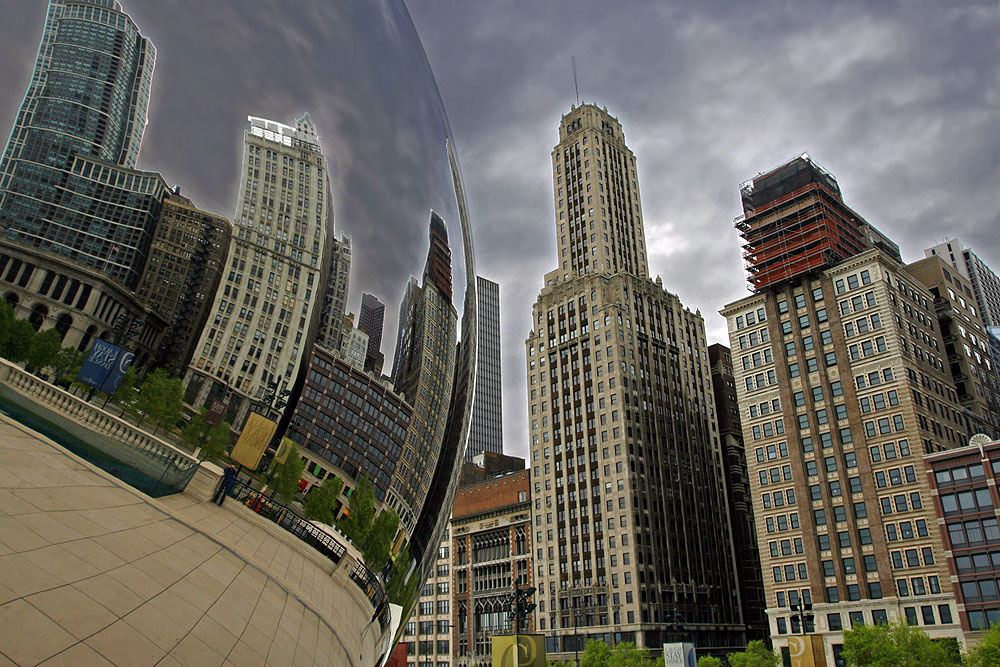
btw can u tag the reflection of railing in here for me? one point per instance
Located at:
(169, 469)
(320, 540)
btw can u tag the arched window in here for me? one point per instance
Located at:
(87, 336)
(63, 324)
(38, 314)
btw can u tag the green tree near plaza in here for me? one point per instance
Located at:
(161, 399)
(709, 661)
(66, 366)
(889, 645)
(987, 652)
(400, 589)
(17, 340)
(377, 546)
(321, 503)
(599, 654)
(285, 476)
(125, 395)
(756, 655)
(42, 350)
(360, 514)
(211, 440)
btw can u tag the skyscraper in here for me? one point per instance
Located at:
(486, 430)
(334, 306)
(843, 384)
(370, 319)
(85, 105)
(423, 371)
(265, 313)
(182, 274)
(631, 529)
(76, 218)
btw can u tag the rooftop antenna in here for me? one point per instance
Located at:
(575, 85)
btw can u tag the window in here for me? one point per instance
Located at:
(834, 623)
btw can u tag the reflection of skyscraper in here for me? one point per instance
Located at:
(486, 430)
(632, 526)
(370, 320)
(182, 274)
(423, 371)
(264, 310)
(335, 295)
(87, 98)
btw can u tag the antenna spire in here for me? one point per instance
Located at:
(575, 85)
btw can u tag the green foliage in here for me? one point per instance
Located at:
(893, 644)
(67, 364)
(18, 340)
(987, 652)
(398, 586)
(321, 503)
(42, 349)
(379, 541)
(596, 654)
(161, 398)
(627, 655)
(360, 513)
(285, 476)
(212, 440)
(756, 655)
(709, 661)
(126, 396)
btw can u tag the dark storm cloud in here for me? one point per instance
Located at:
(901, 101)
(355, 67)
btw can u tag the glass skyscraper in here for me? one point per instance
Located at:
(84, 111)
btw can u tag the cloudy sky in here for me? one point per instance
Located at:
(901, 101)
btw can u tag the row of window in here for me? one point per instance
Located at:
(901, 502)
(889, 450)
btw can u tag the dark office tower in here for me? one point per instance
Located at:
(486, 430)
(87, 99)
(331, 321)
(738, 488)
(631, 519)
(182, 273)
(424, 371)
(370, 320)
(842, 378)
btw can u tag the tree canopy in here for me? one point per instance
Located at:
(321, 503)
(285, 476)
(361, 513)
(987, 652)
(889, 645)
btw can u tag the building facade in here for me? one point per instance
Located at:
(985, 282)
(428, 634)
(265, 314)
(738, 489)
(486, 429)
(964, 485)
(348, 423)
(334, 305)
(182, 275)
(370, 320)
(631, 524)
(966, 343)
(843, 384)
(423, 372)
(491, 543)
(87, 98)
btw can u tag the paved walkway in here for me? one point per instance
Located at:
(93, 572)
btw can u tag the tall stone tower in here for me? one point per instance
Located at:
(631, 530)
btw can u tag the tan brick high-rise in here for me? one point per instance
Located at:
(630, 522)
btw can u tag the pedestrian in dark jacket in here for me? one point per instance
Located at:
(228, 479)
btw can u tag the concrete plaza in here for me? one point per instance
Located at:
(93, 572)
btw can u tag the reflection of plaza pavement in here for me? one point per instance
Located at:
(93, 572)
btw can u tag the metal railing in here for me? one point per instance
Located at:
(317, 538)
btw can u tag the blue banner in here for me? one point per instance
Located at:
(105, 366)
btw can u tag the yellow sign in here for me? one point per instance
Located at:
(529, 651)
(253, 441)
(286, 446)
(807, 651)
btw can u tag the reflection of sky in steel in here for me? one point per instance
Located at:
(356, 67)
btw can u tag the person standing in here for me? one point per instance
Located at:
(228, 479)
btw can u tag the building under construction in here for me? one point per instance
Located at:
(795, 221)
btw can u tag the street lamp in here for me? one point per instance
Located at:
(802, 612)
